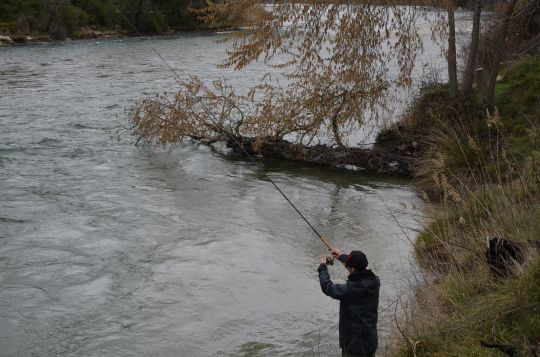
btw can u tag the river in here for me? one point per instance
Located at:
(107, 249)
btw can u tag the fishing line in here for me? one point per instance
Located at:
(219, 126)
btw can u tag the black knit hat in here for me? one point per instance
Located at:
(356, 259)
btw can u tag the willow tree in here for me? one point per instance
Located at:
(334, 60)
(468, 78)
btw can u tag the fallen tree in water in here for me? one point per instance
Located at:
(333, 80)
(372, 160)
(156, 121)
(259, 127)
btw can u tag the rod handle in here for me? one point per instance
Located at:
(326, 243)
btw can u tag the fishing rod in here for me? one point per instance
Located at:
(233, 137)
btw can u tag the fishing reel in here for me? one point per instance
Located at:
(329, 260)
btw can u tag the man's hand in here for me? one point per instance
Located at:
(336, 252)
(323, 259)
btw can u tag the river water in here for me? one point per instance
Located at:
(107, 249)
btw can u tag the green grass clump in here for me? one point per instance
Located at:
(518, 102)
(517, 93)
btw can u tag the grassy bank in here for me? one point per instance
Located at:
(483, 167)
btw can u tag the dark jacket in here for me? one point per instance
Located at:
(359, 301)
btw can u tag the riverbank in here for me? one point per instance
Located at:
(38, 22)
(6, 40)
(475, 298)
(87, 34)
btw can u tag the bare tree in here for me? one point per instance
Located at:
(473, 49)
(500, 45)
(451, 54)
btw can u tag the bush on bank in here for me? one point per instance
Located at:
(83, 18)
(484, 168)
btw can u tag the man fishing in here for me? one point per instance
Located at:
(359, 301)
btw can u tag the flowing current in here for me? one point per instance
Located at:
(107, 249)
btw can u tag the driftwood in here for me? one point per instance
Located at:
(501, 254)
(371, 160)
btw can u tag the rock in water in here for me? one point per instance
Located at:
(5, 41)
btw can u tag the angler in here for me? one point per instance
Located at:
(359, 301)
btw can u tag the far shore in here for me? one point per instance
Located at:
(40, 38)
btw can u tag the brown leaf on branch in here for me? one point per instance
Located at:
(334, 60)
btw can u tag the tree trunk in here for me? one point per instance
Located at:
(23, 27)
(138, 15)
(452, 61)
(337, 135)
(473, 51)
(499, 51)
(369, 160)
(335, 125)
